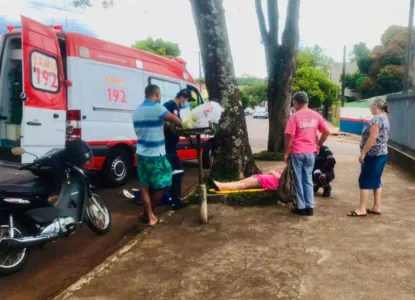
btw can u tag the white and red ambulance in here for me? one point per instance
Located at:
(57, 86)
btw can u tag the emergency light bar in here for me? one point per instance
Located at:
(180, 61)
(11, 28)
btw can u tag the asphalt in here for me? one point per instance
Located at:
(267, 253)
(58, 265)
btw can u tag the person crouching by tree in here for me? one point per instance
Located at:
(323, 172)
(181, 101)
(301, 148)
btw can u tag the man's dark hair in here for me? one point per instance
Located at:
(151, 90)
(301, 98)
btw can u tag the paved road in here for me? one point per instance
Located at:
(60, 264)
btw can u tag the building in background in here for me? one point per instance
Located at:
(335, 73)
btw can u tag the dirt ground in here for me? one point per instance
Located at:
(266, 253)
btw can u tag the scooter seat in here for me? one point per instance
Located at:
(35, 188)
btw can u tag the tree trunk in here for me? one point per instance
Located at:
(280, 85)
(281, 65)
(233, 155)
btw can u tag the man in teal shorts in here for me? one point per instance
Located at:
(154, 170)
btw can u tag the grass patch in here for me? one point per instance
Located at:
(252, 199)
(269, 156)
(243, 199)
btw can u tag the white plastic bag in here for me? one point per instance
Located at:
(206, 113)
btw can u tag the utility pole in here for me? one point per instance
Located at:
(409, 48)
(344, 73)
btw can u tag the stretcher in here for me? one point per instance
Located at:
(213, 191)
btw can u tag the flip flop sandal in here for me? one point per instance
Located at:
(354, 214)
(372, 212)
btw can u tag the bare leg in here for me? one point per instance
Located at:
(376, 204)
(364, 195)
(148, 208)
(247, 183)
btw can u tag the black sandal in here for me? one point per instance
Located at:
(373, 212)
(213, 184)
(354, 214)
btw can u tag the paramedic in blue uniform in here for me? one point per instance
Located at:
(181, 101)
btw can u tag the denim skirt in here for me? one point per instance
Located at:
(371, 172)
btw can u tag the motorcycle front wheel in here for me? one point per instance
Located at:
(98, 217)
(12, 261)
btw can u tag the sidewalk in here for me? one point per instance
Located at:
(266, 253)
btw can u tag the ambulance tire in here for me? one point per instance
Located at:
(207, 156)
(117, 167)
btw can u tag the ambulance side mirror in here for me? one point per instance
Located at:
(67, 83)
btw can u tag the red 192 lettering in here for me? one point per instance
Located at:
(116, 95)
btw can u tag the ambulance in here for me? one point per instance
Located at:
(57, 86)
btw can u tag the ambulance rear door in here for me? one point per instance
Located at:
(44, 95)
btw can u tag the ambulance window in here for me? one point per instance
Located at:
(45, 74)
(169, 89)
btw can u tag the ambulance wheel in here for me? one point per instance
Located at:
(117, 167)
(207, 156)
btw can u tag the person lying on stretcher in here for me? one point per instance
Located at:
(267, 182)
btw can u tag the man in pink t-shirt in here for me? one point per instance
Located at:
(301, 147)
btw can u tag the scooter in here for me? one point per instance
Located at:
(27, 219)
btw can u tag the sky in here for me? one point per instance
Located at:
(328, 23)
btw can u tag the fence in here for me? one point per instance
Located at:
(402, 119)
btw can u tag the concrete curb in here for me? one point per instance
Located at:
(103, 266)
(402, 160)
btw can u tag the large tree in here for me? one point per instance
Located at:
(381, 70)
(233, 155)
(281, 65)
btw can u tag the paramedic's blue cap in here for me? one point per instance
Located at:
(187, 94)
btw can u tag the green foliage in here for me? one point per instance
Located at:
(391, 33)
(159, 47)
(311, 76)
(265, 198)
(316, 84)
(89, 3)
(254, 95)
(249, 80)
(381, 69)
(245, 100)
(390, 78)
(314, 57)
(355, 80)
(246, 80)
(360, 51)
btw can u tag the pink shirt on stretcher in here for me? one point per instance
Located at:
(303, 125)
(268, 181)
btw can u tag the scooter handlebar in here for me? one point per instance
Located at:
(28, 166)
